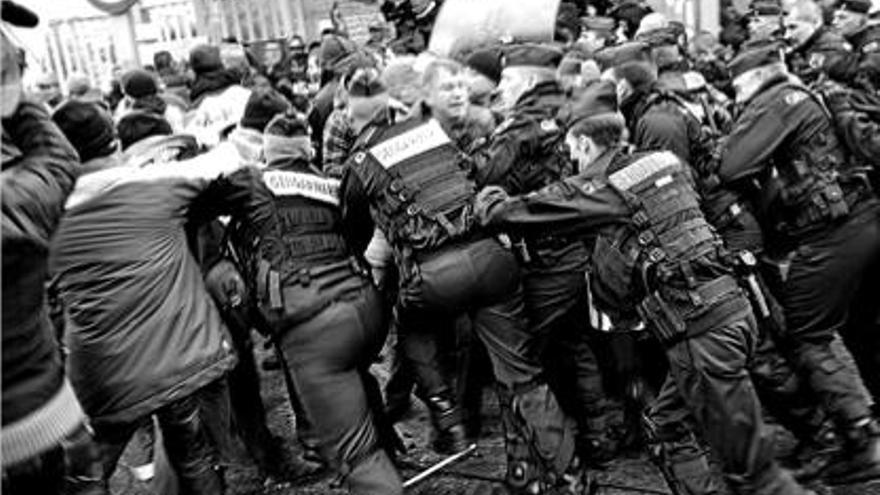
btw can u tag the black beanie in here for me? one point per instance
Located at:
(205, 58)
(138, 125)
(138, 83)
(88, 127)
(261, 107)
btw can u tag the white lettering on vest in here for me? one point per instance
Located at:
(409, 144)
(643, 169)
(283, 183)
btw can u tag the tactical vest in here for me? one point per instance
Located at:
(419, 190)
(668, 263)
(302, 264)
(814, 184)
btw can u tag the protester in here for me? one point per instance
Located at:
(47, 446)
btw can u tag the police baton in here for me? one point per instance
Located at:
(427, 473)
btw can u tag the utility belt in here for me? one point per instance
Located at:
(304, 293)
(692, 312)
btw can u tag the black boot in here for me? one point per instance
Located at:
(813, 455)
(449, 434)
(859, 460)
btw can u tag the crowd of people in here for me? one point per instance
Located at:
(649, 238)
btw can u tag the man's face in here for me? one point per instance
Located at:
(448, 95)
(11, 88)
(592, 40)
(515, 81)
(847, 22)
(576, 150)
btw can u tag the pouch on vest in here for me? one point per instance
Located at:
(668, 326)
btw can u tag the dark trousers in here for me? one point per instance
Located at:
(555, 293)
(329, 357)
(186, 444)
(708, 388)
(71, 467)
(823, 296)
(481, 279)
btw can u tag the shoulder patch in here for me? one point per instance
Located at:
(817, 60)
(795, 97)
(589, 187)
(549, 125)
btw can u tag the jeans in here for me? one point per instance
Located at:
(185, 440)
(71, 467)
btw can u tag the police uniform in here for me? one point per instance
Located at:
(666, 118)
(524, 154)
(817, 206)
(410, 179)
(312, 295)
(657, 257)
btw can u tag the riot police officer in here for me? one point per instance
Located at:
(822, 215)
(656, 258)
(412, 181)
(524, 154)
(312, 295)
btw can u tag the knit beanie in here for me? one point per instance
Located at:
(139, 83)
(138, 125)
(286, 139)
(205, 58)
(261, 107)
(88, 127)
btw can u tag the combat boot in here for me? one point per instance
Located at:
(449, 435)
(813, 455)
(859, 460)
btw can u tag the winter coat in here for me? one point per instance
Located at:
(141, 328)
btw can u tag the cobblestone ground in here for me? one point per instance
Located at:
(629, 476)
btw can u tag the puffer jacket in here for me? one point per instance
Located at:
(140, 325)
(39, 170)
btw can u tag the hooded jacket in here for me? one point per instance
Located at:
(141, 328)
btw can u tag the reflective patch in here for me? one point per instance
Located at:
(283, 183)
(871, 47)
(643, 169)
(795, 97)
(359, 157)
(409, 144)
(663, 181)
(817, 60)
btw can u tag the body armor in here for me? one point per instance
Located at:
(302, 264)
(813, 184)
(420, 191)
(667, 265)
